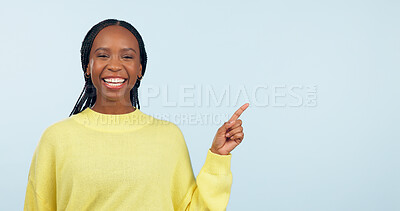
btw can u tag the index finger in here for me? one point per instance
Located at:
(236, 115)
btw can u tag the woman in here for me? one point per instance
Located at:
(108, 155)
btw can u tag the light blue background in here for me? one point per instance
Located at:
(341, 154)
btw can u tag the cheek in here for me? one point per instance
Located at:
(96, 69)
(133, 71)
(97, 66)
(132, 76)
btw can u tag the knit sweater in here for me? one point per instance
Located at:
(132, 161)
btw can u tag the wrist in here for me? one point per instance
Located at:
(217, 152)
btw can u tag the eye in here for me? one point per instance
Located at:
(128, 57)
(102, 55)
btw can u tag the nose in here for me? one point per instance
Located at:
(114, 64)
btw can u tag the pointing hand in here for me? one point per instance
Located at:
(230, 134)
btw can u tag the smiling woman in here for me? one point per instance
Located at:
(112, 50)
(114, 66)
(109, 155)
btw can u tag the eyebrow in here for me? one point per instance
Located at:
(124, 49)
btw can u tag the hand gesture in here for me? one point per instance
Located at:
(230, 134)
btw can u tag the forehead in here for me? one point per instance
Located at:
(115, 37)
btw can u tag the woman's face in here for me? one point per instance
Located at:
(114, 64)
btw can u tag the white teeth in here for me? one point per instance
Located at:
(114, 84)
(114, 80)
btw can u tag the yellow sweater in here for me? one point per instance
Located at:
(95, 161)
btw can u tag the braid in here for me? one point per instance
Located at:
(134, 94)
(88, 96)
(137, 97)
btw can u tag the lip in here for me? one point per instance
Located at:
(113, 87)
(113, 76)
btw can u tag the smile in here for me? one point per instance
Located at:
(114, 83)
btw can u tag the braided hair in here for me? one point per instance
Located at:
(87, 97)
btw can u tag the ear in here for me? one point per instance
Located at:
(140, 71)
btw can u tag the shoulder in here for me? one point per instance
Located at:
(164, 125)
(61, 125)
(170, 132)
(57, 130)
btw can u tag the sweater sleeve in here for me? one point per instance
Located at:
(211, 189)
(41, 188)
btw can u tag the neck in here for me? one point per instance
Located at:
(113, 109)
(104, 106)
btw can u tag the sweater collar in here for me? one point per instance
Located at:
(113, 122)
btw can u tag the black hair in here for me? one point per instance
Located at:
(88, 94)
